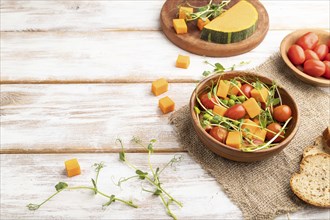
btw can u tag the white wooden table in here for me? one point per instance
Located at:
(75, 75)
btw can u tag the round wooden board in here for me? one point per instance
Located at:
(191, 41)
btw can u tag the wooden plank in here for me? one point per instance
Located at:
(50, 15)
(109, 57)
(31, 178)
(85, 117)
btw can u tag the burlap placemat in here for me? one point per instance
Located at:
(262, 189)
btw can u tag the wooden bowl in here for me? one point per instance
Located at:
(191, 41)
(289, 40)
(228, 152)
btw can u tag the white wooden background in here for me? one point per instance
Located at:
(75, 75)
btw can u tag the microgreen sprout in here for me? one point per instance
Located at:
(219, 68)
(61, 186)
(152, 177)
(211, 10)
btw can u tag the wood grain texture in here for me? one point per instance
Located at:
(85, 117)
(192, 41)
(31, 178)
(109, 57)
(100, 15)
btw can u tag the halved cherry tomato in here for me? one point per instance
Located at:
(310, 54)
(296, 54)
(275, 128)
(246, 89)
(308, 41)
(327, 57)
(321, 50)
(235, 112)
(314, 68)
(282, 113)
(327, 69)
(219, 134)
(208, 103)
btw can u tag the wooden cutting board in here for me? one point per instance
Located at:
(191, 41)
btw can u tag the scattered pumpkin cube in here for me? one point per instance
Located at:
(219, 110)
(166, 105)
(250, 128)
(260, 95)
(182, 62)
(180, 26)
(252, 107)
(234, 139)
(223, 88)
(233, 90)
(256, 120)
(184, 12)
(201, 23)
(159, 86)
(72, 167)
(260, 134)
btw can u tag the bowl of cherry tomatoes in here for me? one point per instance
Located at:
(307, 53)
(243, 116)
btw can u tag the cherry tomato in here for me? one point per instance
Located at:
(314, 68)
(327, 69)
(327, 57)
(219, 134)
(310, 54)
(246, 89)
(275, 128)
(328, 43)
(296, 54)
(282, 113)
(308, 41)
(235, 112)
(321, 50)
(208, 103)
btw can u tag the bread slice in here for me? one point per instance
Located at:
(318, 147)
(312, 184)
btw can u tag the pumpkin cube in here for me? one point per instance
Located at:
(260, 95)
(234, 139)
(184, 12)
(201, 23)
(252, 107)
(72, 167)
(180, 26)
(260, 134)
(223, 88)
(182, 62)
(249, 128)
(159, 86)
(219, 110)
(233, 90)
(166, 105)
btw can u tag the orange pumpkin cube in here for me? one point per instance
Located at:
(72, 167)
(166, 105)
(252, 107)
(219, 110)
(201, 23)
(233, 90)
(159, 86)
(223, 88)
(184, 12)
(234, 139)
(182, 62)
(260, 95)
(180, 26)
(260, 134)
(249, 128)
